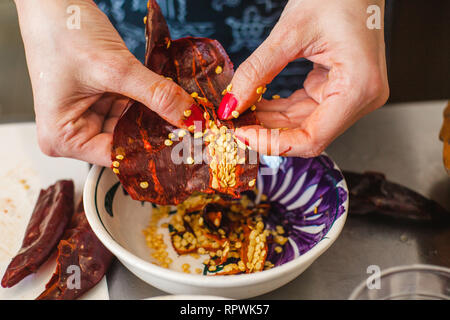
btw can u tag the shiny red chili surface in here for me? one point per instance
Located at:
(143, 161)
(50, 217)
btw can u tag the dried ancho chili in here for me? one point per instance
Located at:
(370, 192)
(51, 215)
(79, 247)
(144, 143)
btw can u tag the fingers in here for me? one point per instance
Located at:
(281, 104)
(339, 98)
(92, 147)
(256, 72)
(274, 141)
(315, 83)
(116, 111)
(107, 102)
(86, 138)
(159, 94)
(97, 150)
(290, 117)
(317, 130)
(285, 113)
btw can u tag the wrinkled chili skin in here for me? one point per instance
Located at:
(80, 248)
(50, 217)
(370, 192)
(140, 133)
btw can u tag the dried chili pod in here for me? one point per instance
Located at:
(213, 214)
(370, 192)
(142, 155)
(80, 252)
(444, 135)
(51, 215)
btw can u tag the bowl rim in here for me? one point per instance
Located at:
(226, 281)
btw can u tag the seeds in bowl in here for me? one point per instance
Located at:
(230, 233)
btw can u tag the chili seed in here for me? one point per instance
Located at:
(187, 113)
(144, 185)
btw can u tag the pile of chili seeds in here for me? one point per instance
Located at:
(230, 242)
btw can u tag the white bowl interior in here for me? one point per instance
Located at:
(122, 234)
(129, 220)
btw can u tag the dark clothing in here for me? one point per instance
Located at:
(239, 25)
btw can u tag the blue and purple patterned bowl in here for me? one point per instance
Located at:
(309, 198)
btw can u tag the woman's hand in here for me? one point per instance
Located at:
(348, 81)
(83, 78)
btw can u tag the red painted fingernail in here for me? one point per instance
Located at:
(195, 116)
(227, 106)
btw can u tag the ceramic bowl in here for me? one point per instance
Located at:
(309, 198)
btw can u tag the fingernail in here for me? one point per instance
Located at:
(195, 116)
(243, 140)
(227, 106)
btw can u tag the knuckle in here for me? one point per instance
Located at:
(315, 146)
(289, 37)
(251, 69)
(63, 141)
(121, 68)
(47, 144)
(69, 139)
(378, 87)
(384, 94)
(112, 71)
(316, 150)
(164, 95)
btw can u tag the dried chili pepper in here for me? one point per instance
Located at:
(141, 155)
(370, 192)
(49, 219)
(81, 248)
(444, 135)
(232, 232)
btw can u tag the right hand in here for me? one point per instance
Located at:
(348, 81)
(83, 78)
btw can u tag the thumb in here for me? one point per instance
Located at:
(250, 79)
(159, 94)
